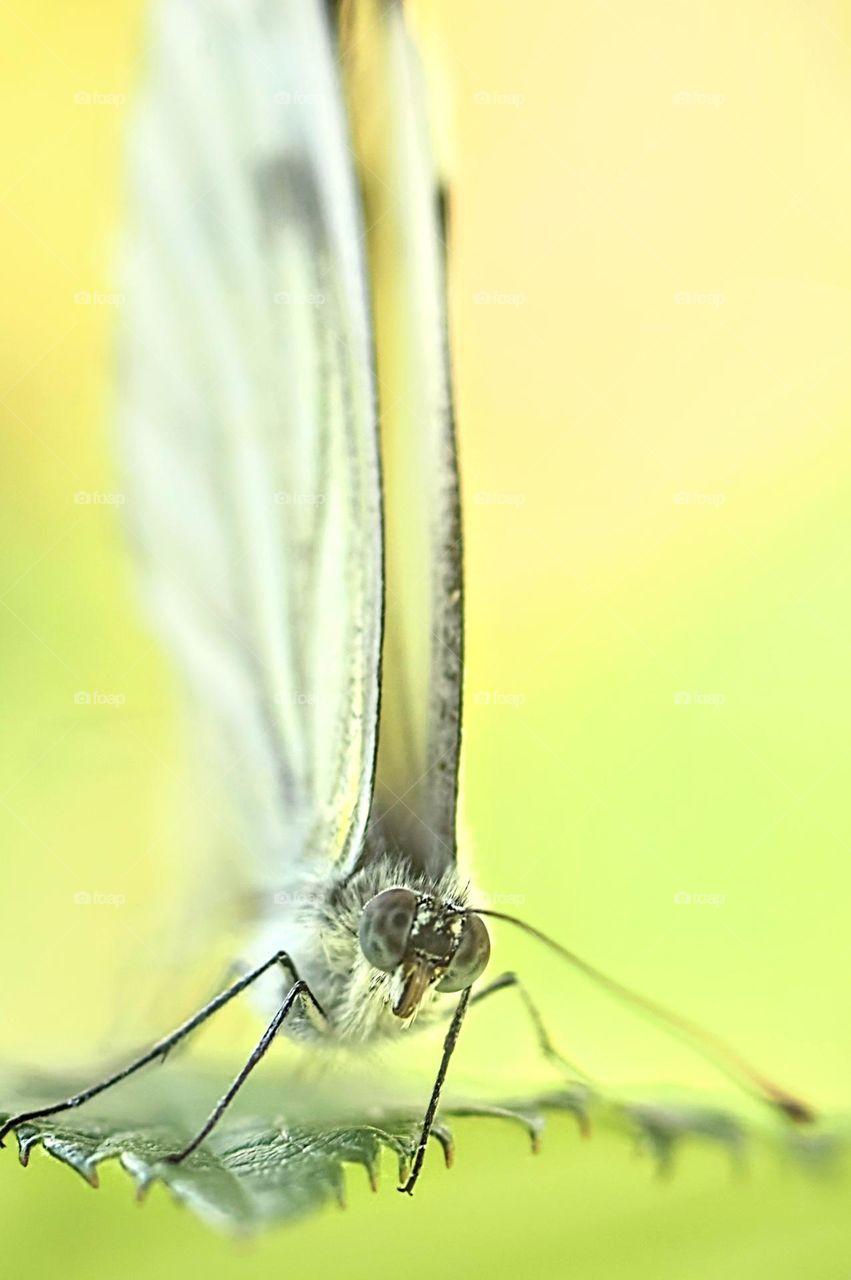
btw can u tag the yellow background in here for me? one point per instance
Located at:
(652, 330)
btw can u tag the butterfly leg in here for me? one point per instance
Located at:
(431, 1110)
(507, 981)
(298, 991)
(159, 1050)
(503, 983)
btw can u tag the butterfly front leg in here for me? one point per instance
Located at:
(505, 982)
(299, 992)
(162, 1047)
(431, 1110)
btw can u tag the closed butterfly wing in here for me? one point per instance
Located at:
(248, 421)
(414, 808)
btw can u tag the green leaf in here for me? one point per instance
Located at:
(257, 1170)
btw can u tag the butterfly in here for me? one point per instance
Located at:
(301, 559)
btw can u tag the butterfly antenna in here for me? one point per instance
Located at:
(703, 1042)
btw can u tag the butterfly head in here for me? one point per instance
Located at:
(423, 942)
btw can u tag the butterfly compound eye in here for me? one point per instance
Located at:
(385, 927)
(471, 956)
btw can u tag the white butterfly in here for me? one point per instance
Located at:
(308, 582)
(251, 443)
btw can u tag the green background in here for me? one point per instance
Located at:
(652, 325)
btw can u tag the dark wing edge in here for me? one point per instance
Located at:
(416, 794)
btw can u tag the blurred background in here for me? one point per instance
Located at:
(651, 301)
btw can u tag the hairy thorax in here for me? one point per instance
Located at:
(317, 923)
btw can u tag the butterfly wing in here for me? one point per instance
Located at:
(248, 421)
(414, 807)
